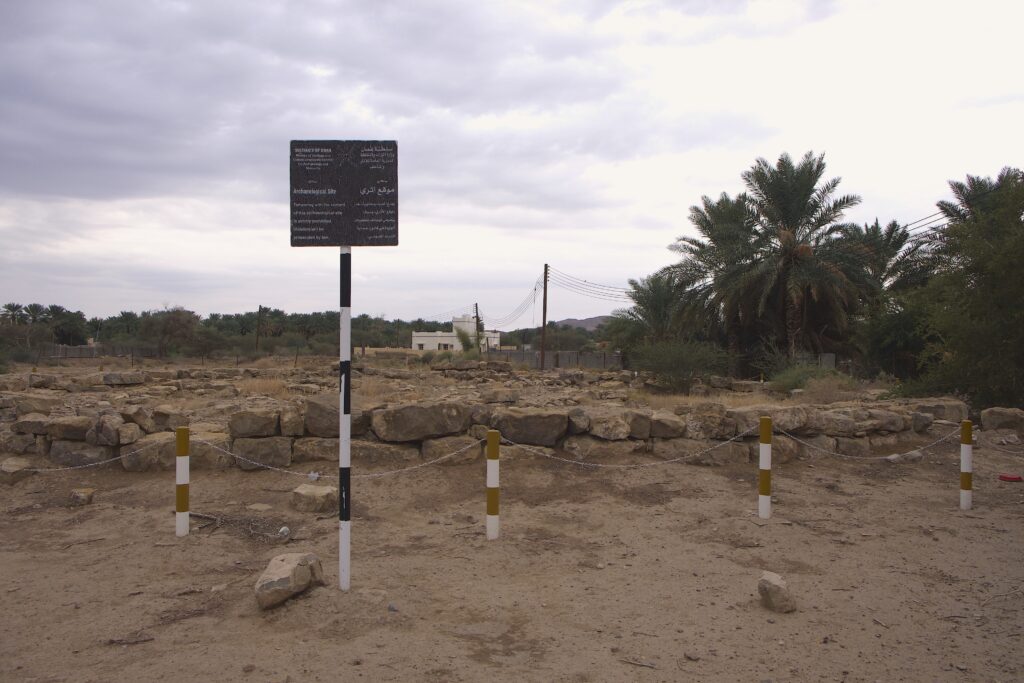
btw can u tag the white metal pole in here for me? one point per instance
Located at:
(966, 465)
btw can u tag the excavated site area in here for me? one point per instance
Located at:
(630, 547)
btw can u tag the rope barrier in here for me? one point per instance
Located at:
(579, 463)
(862, 457)
(42, 470)
(314, 476)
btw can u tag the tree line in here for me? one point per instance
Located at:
(776, 276)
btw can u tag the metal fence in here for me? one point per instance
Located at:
(96, 351)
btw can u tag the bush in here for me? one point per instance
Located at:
(427, 357)
(676, 365)
(797, 377)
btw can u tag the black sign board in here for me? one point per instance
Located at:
(344, 193)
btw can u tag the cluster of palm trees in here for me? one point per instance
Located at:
(777, 267)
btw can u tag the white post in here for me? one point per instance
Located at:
(966, 465)
(493, 520)
(181, 448)
(345, 425)
(764, 482)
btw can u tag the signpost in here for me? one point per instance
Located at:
(344, 193)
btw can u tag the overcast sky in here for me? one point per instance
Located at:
(144, 144)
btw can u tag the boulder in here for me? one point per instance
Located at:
(832, 423)
(81, 496)
(30, 423)
(856, 447)
(105, 431)
(949, 409)
(819, 445)
(291, 421)
(384, 455)
(286, 576)
(608, 423)
(537, 427)
(666, 425)
(13, 470)
(275, 451)
(880, 442)
(69, 428)
(168, 418)
(37, 381)
(76, 453)
(639, 423)
(315, 448)
(13, 383)
(120, 379)
(880, 420)
(710, 426)
(579, 421)
(920, 422)
(247, 424)
(314, 498)
(499, 395)
(151, 452)
(321, 416)
(437, 448)
(588, 448)
(789, 418)
(210, 450)
(23, 405)
(775, 594)
(784, 449)
(128, 432)
(141, 416)
(415, 422)
(1003, 418)
(19, 444)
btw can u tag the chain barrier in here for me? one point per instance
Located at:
(314, 476)
(863, 457)
(598, 465)
(42, 470)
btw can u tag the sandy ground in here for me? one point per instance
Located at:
(600, 575)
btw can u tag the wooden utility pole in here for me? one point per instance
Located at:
(259, 321)
(544, 319)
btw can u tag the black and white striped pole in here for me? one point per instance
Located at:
(345, 425)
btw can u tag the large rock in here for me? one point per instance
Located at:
(141, 416)
(275, 451)
(415, 422)
(832, 423)
(666, 425)
(210, 450)
(105, 431)
(129, 432)
(247, 424)
(920, 422)
(30, 423)
(151, 452)
(13, 470)
(880, 420)
(23, 405)
(639, 423)
(315, 448)
(1003, 418)
(579, 421)
(467, 447)
(943, 409)
(532, 427)
(608, 423)
(119, 379)
(321, 416)
(76, 453)
(789, 418)
(69, 428)
(291, 421)
(858, 448)
(168, 418)
(19, 444)
(775, 594)
(38, 381)
(383, 455)
(588, 448)
(706, 425)
(286, 576)
(314, 498)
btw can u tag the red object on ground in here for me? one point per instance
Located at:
(1010, 477)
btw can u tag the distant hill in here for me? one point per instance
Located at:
(588, 324)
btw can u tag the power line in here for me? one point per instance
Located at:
(588, 283)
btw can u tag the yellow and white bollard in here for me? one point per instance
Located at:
(966, 464)
(493, 522)
(764, 481)
(181, 443)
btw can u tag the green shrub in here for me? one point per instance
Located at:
(427, 357)
(677, 365)
(797, 376)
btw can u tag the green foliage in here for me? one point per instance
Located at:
(465, 340)
(677, 364)
(427, 357)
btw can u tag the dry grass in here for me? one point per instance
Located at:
(263, 386)
(730, 399)
(829, 390)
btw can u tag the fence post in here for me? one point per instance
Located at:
(493, 521)
(181, 517)
(966, 464)
(764, 482)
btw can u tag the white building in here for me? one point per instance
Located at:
(449, 341)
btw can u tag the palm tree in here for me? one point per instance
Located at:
(974, 195)
(894, 261)
(654, 316)
(36, 313)
(14, 313)
(800, 265)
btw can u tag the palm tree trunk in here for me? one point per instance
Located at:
(792, 325)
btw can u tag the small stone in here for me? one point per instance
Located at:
(313, 498)
(219, 587)
(392, 607)
(82, 496)
(13, 470)
(902, 458)
(248, 668)
(286, 576)
(775, 595)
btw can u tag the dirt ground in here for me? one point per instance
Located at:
(599, 575)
